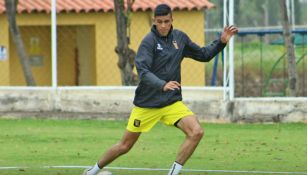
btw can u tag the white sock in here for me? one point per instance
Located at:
(94, 170)
(175, 169)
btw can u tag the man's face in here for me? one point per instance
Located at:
(163, 24)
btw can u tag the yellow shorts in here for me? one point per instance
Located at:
(143, 119)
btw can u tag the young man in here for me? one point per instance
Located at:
(158, 95)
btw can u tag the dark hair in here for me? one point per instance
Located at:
(162, 10)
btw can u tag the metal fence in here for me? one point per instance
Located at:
(260, 58)
(261, 66)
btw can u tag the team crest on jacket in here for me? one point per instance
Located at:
(175, 44)
(159, 47)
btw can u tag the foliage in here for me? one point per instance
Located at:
(251, 13)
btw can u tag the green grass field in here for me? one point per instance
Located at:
(34, 143)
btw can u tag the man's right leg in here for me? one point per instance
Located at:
(120, 148)
(125, 144)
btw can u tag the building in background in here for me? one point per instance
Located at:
(87, 38)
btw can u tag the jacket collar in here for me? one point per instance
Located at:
(155, 31)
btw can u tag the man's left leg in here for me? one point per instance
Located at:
(194, 132)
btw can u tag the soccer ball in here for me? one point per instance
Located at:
(105, 173)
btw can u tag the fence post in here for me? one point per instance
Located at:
(54, 43)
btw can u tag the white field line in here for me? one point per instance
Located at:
(163, 169)
(8, 168)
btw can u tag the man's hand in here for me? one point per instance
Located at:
(171, 85)
(228, 32)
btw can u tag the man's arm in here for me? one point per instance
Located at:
(205, 54)
(143, 62)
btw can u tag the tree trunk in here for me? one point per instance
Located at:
(288, 38)
(11, 6)
(125, 55)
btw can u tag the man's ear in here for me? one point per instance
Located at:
(153, 21)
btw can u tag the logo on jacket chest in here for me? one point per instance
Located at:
(159, 47)
(175, 44)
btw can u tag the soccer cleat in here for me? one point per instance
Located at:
(85, 171)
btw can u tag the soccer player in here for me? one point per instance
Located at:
(158, 95)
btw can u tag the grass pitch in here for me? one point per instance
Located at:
(33, 144)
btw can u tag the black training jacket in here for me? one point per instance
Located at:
(158, 61)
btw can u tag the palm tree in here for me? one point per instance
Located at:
(11, 6)
(125, 54)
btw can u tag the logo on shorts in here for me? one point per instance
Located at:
(137, 123)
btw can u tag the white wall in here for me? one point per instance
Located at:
(108, 103)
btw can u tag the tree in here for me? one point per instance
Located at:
(11, 6)
(125, 54)
(288, 38)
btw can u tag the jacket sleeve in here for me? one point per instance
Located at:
(143, 62)
(203, 54)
